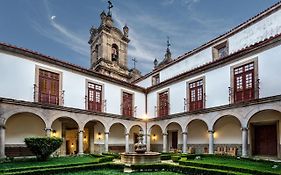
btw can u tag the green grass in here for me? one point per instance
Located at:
(116, 172)
(240, 163)
(51, 162)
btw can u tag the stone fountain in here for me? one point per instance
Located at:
(140, 155)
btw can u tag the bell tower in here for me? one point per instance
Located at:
(109, 46)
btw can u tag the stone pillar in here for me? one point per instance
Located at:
(211, 141)
(148, 142)
(2, 142)
(244, 142)
(48, 132)
(127, 146)
(184, 142)
(92, 140)
(165, 136)
(106, 134)
(80, 142)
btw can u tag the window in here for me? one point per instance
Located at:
(97, 51)
(163, 108)
(127, 105)
(220, 50)
(155, 79)
(94, 97)
(244, 82)
(48, 87)
(115, 53)
(196, 95)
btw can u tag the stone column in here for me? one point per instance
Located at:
(80, 142)
(92, 140)
(127, 146)
(244, 142)
(184, 142)
(48, 132)
(148, 143)
(2, 141)
(165, 136)
(211, 141)
(106, 134)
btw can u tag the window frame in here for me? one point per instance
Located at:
(86, 94)
(217, 47)
(36, 88)
(158, 102)
(153, 78)
(256, 78)
(133, 102)
(203, 78)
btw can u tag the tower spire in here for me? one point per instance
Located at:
(168, 44)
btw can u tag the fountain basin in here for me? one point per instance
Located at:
(137, 158)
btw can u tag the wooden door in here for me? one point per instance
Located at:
(196, 95)
(94, 97)
(163, 109)
(265, 140)
(244, 83)
(127, 106)
(48, 87)
(174, 139)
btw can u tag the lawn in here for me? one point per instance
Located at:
(116, 172)
(239, 163)
(51, 162)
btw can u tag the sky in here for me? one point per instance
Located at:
(60, 28)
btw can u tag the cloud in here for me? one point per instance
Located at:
(53, 17)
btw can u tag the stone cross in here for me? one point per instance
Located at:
(168, 43)
(110, 6)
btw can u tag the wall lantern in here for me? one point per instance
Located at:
(54, 133)
(85, 139)
(99, 135)
(72, 145)
(154, 137)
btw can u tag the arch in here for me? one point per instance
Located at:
(150, 128)
(114, 52)
(132, 126)
(197, 119)
(221, 116)
(114, 123)
(93, 120)
(22, 125)
(59, 115)
(256, 110)
(168, 124)
(11, 113)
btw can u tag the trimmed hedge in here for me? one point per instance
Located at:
(102, 159)
(176, 158)
(180, 169)
(47, 171)
(115, 155)
(43, 147)
(186, 162)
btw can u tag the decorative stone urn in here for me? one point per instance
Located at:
(140, 147)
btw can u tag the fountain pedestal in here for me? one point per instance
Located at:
(140, 155)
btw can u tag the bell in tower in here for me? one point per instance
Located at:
(109, 47)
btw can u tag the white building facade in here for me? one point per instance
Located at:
(222, 97)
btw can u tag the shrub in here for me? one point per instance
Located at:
(175, 158)
(115, 155)
(43, 147)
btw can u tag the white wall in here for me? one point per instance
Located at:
(218, 80)
(197, 133)
(256, 32)
(18, 77)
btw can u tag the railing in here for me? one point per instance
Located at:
(157, 110)
(59, 100)
(104, 104)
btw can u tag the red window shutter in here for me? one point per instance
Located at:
(94, 97)
(196, 96)
(163, 108)
(244, 83)
(48, 87)
(127, 106)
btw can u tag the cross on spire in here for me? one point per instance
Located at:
(168, 43)
(110, 6)
(135, 61)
